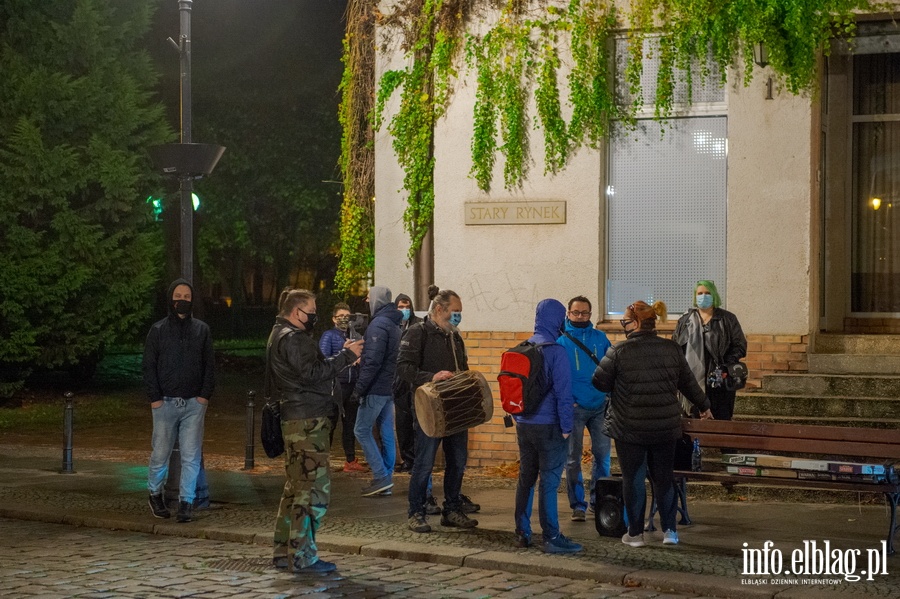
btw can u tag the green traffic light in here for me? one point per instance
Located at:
(157, 207)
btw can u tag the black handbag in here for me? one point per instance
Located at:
(270, 421)
(270, 429)
(737, 376)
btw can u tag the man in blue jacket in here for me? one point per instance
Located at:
(542, 436)
(585, 346)
(331, 344)
(373, 387)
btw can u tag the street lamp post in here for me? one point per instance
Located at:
(186, 183)
(186, 160)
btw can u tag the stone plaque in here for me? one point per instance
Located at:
(515, 213)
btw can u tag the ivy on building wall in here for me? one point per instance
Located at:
(515, 53)
(357, 256)
(433, 34)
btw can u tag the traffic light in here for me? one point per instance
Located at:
(156, 205)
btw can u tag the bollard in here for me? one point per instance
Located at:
(251, 431)
(68, 421)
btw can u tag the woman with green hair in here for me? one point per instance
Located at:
(712, 339)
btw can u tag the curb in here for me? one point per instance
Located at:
(514, 562)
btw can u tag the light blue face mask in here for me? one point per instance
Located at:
(455, 318)
(704, 300)
(405, 312)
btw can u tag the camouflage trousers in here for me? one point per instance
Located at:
(306, 491)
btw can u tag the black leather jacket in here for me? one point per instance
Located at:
(300, 376)
(642, 376)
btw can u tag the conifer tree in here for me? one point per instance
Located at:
(77, 254)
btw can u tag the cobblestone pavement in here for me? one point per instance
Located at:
(109, 494)
(56, 561)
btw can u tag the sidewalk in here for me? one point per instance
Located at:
(708, 561)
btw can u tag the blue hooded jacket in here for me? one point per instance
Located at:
(583, 391)
(557, 407)
(379, 357)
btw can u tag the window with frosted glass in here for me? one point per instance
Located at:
(666, 198)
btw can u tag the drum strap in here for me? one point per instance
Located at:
(453, 349)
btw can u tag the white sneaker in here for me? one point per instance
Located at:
(633, 541)
(670, 537)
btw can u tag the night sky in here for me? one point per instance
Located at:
(287, 48)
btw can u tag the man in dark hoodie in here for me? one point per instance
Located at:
(179, 377)
(373, 387)
(402, 392)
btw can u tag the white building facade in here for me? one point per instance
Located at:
(784, 201)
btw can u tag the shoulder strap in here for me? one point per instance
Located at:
(267, 385)
(453, 335)
(583, 347)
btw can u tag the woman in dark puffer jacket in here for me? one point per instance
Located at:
(643, 376)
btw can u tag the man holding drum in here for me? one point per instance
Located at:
(433, 350)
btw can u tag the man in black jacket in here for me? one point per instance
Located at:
(402, 392)
(179, 377)
(303, 379)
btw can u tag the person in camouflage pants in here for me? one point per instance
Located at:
(306, 490)
(303, 381)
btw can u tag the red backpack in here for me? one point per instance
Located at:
(521, 378)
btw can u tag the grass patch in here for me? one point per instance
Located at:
(40, 416)
(222, 345)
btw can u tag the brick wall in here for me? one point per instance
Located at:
(492, 444)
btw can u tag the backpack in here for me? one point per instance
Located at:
(521, 378)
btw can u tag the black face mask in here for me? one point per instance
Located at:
(311, 319)
(580, 325)
(182, 307)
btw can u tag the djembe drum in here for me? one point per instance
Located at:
(451, 406)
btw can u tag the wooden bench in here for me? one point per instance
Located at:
(837, 443)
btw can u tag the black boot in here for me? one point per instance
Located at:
(158, 506)
(184, 511)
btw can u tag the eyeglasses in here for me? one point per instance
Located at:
(625, 322)
(579, 313)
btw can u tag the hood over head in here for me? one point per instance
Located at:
(171, 304)
(403, 297)
(378, 297)
(548, 319)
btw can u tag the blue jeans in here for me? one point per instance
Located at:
(600, 445)
(182, 419)
(456, 452)
(542, 450)
(202, 497)
(635, 461)
(377, 410)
